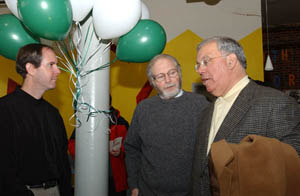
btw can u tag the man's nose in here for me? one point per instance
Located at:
(167, 78)
(200, 69)
(57, 70)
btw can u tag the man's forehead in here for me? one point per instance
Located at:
(163, 60)
(49, 55)
(47, 50)
(163, 64)
(208, 49)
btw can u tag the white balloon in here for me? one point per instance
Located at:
(114, 18)
(80, 9)
(145, 11)
(12, 6)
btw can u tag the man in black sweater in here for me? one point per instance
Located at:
(33, 140)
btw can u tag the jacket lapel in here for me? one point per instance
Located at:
(203, 133)
(237, 111)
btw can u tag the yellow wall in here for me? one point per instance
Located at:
(8, 69)
(253, 48)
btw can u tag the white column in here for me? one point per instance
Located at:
(92, 138)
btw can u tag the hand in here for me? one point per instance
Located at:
(115, 152)
(135, 192)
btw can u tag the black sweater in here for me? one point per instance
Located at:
(33, 145)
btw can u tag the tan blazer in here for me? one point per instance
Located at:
(258, 166)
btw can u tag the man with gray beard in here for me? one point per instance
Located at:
(159, 145)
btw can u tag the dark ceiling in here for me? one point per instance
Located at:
(280, 12)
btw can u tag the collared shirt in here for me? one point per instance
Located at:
(222, 107)
(178, 94)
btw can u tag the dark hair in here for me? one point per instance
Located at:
(30, 53)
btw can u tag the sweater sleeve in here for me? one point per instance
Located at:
(133, 153)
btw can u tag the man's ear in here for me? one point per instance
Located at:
(30, 68)
(231, 60)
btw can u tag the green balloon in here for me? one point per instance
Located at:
(13, 36)
(49, 19)
(142, 43)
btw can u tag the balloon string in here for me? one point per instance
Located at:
(66, 50)
(76, 67)
(77, 31)
(81, 61)
(72, 48)
(66, 55)
(99, 68)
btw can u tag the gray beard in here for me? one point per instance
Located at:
(169, 95)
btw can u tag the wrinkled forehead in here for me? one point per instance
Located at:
(163, 65)
(208, 49)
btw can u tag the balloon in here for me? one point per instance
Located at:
(81, 8)
(12, 6)
(142, 43)
(13, 36)
(145, 11)
(49, 19)
(114, 18)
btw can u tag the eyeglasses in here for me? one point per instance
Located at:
(206, 60)
(162, 76)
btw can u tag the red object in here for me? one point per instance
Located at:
(117, 163)
(71, 147)
(11, 86)
(144, 92)
(113, 48)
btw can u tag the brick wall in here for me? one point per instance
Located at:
(284, 47)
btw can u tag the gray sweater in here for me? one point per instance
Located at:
(159, 144)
